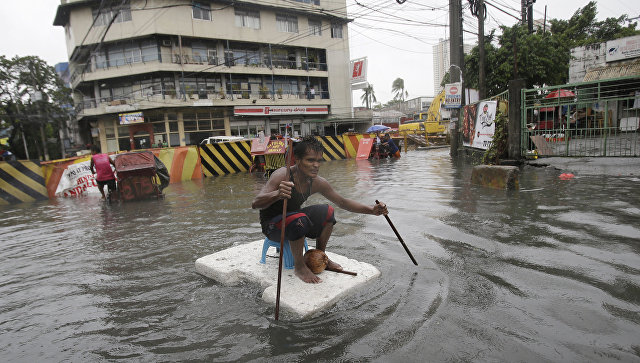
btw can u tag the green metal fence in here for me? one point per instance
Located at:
(583, 119)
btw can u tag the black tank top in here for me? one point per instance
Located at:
(275, 209)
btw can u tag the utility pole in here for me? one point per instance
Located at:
(530, 14)
(37, 98)
(523, 11)
(481, 14)
(456, 54)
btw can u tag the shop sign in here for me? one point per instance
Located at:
(279, 110)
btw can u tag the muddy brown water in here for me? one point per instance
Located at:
(547, 273)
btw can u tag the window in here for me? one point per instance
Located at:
(247, 19)
(201, 11)
(336, 30)
(314, 2)
(149, 50)
(315, 27)
(199, 51)
(121, 13)
(287, 23)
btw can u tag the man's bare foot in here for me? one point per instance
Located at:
(306, 275)
(333, 266)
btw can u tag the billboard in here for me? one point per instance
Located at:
(358, 70)
(131, 118)
(623, 48)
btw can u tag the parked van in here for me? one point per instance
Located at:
(218, 139)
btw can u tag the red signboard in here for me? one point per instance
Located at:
(364, 148)
(358, 70)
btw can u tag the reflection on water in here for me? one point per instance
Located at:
(549, 272)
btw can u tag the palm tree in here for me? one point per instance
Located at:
(398, 88)
(369, 96)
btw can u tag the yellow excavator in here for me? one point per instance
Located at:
(429, 121)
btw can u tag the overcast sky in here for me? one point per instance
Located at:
(397, 39)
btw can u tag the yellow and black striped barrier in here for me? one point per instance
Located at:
(225, 158)
(333, 147)
(21, 181)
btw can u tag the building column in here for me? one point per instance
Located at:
(181, 129)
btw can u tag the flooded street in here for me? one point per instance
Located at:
(547, 273)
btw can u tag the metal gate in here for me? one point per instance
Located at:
(583, 119)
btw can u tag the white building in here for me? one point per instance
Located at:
(442, 61)
(178, 71)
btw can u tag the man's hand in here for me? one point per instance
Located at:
(379, 209)
(284, 190)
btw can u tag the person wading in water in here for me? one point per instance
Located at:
(314, 221)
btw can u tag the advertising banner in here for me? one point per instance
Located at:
(478, 124)
(76, 180)
(453, 95)
(131, 118)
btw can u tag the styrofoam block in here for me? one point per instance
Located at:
(241, 263)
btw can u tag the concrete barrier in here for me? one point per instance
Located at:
(496, 176)
(21, 181)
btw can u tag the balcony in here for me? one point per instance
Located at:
(192, 62)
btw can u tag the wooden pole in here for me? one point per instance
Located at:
(399, 238)
(342, 271)
(283, 225)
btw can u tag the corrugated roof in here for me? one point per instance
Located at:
(614, 71)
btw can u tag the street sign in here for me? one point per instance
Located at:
(453, 95)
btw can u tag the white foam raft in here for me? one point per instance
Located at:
(242, 263)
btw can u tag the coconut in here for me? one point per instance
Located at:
(316, 260)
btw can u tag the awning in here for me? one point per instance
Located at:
(614, 71)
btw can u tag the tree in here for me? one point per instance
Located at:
(369, 96)
(32, 100)
(398, 88)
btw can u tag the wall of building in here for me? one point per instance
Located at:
(585, 58)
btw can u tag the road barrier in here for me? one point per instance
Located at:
(225, 158)
(21, 181)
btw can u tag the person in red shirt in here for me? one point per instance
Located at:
(104, 174)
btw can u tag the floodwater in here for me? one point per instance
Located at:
(547, 273)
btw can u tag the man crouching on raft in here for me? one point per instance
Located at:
(315, 221)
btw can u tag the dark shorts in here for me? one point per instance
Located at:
(307, 222)
(111, 184)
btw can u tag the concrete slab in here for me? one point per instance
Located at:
(496, 176)
(242, 263)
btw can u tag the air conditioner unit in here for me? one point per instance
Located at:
(166, 42)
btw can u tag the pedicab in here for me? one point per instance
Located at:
(139, 175)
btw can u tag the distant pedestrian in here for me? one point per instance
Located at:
(101, 166)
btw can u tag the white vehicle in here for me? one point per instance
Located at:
(218, 139)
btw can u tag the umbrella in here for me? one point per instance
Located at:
(378, 128)
(560, 93)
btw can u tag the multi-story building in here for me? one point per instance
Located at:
(442, 61)
(174, 72)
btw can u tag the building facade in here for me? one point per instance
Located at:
(173, 72)
(442, 61)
